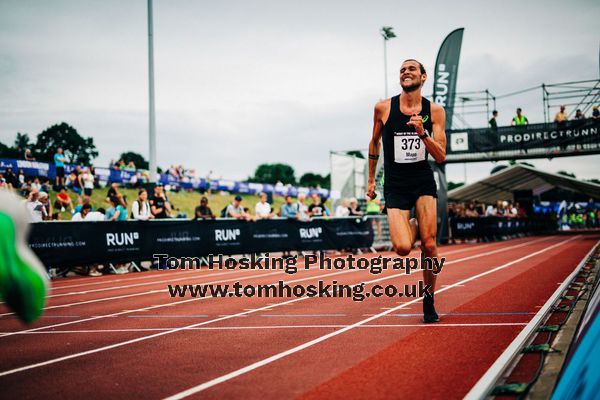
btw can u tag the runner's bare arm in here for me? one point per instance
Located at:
(374, 146)
(436, 143)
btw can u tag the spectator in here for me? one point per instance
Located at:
(303, 213)
(579, 114)
(493, 122)
(45, 200)
(113, 191)
(63, 200)
(521, 213)
(354, 208)
(203, 211)
(235, 210)
(511, 211)
(36, 185)
(561, 117)
(519, 120)
(374, 209)
(262, 210)
(28, 156)
(35, 207)
(159, 204)
(289, 209)
(11, 179)
(59, 163)
(81, 201)
(75, 177)
(2, 182)
(116, 212)
(595, 112)
(85, 210)
(140, 209)
(86, 180)
(21, 178)
(342, 210)
(130, 167)
(96, 215)
(316, 209)
(471, 211)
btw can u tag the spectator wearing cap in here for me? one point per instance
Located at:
(203, 211)
(159, 204)
(45, 200)
(493, 122)
(37, 211)
(595, 112)
(235, 210)
(289, 209)
(262, 210)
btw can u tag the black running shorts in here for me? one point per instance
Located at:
(404, 197)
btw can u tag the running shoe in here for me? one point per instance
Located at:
(23, 278)
(429, 314)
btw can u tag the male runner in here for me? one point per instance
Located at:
(411, 128)
(23, 279)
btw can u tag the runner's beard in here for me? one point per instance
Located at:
(411, 88)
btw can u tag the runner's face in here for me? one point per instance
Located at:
(411, 78)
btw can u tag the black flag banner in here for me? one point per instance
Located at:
(577, 137)
(446, 73)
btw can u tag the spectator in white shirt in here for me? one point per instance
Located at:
(342, 210)
(302, 208)
(35, 207)
(87, 182)
(140, 209)
(95, 215)
(263, 208)
(85, 210)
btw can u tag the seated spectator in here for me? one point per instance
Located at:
(113, 191)
(262, 210)
(11, 179)
(159, 203)
(116, 212)
(96, 215)
(85, 210)
(235, 210)
(36, 185)
(203, 211)
(140, 209)
(354, 208)
(289, 209)
(36, 208)
(45, 200)
(63, 201)
(21, 178)
(130, 166)
(342, 210)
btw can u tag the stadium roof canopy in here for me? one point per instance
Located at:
(502, 184)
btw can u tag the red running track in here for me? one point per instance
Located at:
(124, 337)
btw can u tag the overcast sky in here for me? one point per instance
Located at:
(239, 83)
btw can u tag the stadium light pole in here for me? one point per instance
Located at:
(387, 34)
(151, 111)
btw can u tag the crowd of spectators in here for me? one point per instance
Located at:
(501, 208)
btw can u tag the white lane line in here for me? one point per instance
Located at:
(233, 328)
(258, 364)
(245, 313)
(194, 299)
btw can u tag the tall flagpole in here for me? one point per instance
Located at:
(152, 117)
(386, 33)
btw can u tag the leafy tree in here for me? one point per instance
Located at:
(310, 179)
(356, 154)
(454, 185)
(5, 151)
(498, 168)
(77, 149)
(138, 159)
(273, 173)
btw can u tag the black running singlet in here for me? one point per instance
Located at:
(405, 155)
